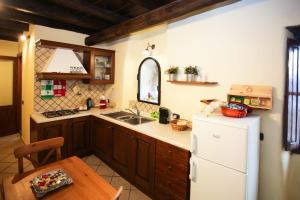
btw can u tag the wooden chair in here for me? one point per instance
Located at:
(53, 144)
(118, 194)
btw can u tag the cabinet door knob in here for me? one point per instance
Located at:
(169, 167)
(217, 136)
(170, 151)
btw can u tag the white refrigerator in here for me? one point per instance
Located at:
(225, 158)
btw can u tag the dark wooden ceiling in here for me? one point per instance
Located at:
(103, 20)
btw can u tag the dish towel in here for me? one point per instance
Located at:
(46, 89)
(59, 88)
(53, 88)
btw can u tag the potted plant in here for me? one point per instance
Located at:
(172, 71)
(191, 72)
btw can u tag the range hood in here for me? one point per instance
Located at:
(63, 64)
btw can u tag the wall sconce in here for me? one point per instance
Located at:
(148, 50)
(23, 37)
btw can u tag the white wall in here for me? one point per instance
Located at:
(243, 43)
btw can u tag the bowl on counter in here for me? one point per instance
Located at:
(236, 110)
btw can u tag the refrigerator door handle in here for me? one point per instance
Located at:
(192, 170)
(194, 144)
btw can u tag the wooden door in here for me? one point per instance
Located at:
(102, 139)
(123, 151)
(143, 170)
(55, 129)
(80, 136)
(10, 76)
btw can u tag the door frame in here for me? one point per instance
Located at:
(17, 87)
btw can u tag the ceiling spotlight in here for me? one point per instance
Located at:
(149, 49)
(23, 37)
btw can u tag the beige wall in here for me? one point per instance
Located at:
(7, 48)
(27, 48)
(243, 43)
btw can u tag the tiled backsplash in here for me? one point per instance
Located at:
(71, 100)
(145, 107)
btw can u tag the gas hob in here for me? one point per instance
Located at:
(59, 113)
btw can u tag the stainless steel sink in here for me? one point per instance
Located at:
(128, 117)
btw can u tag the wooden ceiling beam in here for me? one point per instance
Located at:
(150, 5)
(15, 15)
(174, 10)
(10, 35)
(92, 10)
(53, 12)
(14, 25)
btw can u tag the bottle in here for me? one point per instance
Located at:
(89, 103)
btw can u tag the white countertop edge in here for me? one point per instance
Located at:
(152, 129)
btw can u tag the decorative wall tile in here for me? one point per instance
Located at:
(145, 107)
(71, 100)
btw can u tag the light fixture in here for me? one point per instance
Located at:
(23, 37)
(148, 50)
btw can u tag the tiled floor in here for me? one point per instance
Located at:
(8, 167)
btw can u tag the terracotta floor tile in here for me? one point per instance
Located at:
(11, 158)
(125, 195)
(116, 182)
(107, 178)
(104, 170)
(13, 169)
(3, 166)
(138, 195)
(93, 160)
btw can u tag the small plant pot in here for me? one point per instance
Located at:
(190, 77)
(172, 77)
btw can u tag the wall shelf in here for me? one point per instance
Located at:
(194, 83)
(62, 76)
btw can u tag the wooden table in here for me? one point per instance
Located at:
(88, 185)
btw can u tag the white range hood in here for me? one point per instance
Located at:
(64, 61)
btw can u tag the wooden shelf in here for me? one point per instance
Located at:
(62, 76)
(194, 82)
(261, 95)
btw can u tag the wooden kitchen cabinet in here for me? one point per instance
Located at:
(101, 66)
(123, 150)
(144, 162)
(102, 139)
(76, 134)
(49, 130)
(171, 172)
(79, 137)
(157, 168)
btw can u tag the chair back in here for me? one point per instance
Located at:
(25, 151)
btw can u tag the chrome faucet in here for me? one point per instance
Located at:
(138, 112)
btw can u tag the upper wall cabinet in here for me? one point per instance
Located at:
(102, 67)
(99, 64)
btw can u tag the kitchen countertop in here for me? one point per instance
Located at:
(162, 132)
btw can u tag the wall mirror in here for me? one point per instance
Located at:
(149, 81)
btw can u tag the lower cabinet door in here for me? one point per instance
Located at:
(52, 130)
(215, 182)
(144, 165)
(102, 139)
(123, 151)
(80, 136)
